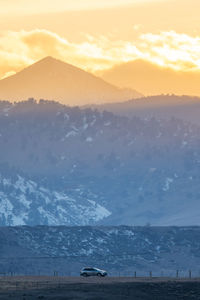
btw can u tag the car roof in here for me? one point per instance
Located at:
(91, 268)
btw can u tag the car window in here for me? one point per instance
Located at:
(90, 269)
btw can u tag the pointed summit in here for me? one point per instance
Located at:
(53, 79)
(47, 58)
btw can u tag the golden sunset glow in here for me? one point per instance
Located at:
(97, 36)
(167, 49)
(27, 6)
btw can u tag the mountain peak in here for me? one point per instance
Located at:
(50, 59)
(53, 79)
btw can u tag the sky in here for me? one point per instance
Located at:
(98, 35)
(20, 7)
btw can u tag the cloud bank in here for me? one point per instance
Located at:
(170, 49)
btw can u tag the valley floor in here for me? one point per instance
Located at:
(121, 288)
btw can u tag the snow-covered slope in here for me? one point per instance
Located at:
(24, 202)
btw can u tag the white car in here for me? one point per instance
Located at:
(92, 272)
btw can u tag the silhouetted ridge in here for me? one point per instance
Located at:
(51, 78)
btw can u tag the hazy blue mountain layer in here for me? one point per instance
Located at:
(71, 166)
(186, 108)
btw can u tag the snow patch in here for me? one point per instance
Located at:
(168, 181)
(89, 139)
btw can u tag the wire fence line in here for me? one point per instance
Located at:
(119, 268)
(176, 274)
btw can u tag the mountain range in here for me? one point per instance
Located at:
(63, 165)
(50, 78)
(152, 79)
(186, 108)
(120, 250)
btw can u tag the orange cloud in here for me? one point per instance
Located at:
(174, 50)
(166, 49)
(19, 49)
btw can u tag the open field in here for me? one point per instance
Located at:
(26, 288)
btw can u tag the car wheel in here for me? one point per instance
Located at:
(99, 275)
(84, 275)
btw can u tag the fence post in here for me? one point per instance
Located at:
(135, 274)
(190, 274)
(177, 273)
(150, 273)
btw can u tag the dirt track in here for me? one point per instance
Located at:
(27, 288)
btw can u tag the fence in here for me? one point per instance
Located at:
(116, 266)
(177, 274)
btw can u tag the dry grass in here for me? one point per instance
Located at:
(41, 287)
